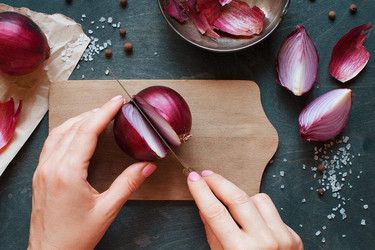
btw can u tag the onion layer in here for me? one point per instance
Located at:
(326, 116)
(8, 117)
(23, 46)
(349, 56)
(297, 62)
(167, 111)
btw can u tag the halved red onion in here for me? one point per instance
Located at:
(297, 62)
(167, 111)
(349, 56)
(237, 18)
(135, 136)
(8, 117)
(23, 45)
(170, 113)
(326, 116)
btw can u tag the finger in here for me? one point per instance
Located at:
(273, 220)
(57, 134)
(297, 239)
(84, 134)
(214, 212)
(124, 186)
(239, 203)
(211, 237)
(103, 116)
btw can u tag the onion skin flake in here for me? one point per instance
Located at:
(297, 62)
(8, 117)
(326, 116)
(349, 56)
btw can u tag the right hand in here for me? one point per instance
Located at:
(251, 222)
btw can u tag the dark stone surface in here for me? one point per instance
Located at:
(159, 53)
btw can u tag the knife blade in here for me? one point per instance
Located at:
(186, 170)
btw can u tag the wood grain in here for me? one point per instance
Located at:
(231, 134)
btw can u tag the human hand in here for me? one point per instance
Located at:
(251, 222)
(67, 212)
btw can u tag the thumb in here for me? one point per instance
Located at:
(126, 184)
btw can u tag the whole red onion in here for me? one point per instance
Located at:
(23, 46)
(166, 110)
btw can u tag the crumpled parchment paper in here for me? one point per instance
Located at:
(68, 42)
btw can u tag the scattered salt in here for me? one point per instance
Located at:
(317, 233)
(363, 222)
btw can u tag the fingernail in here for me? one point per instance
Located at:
(94, 110)
(202, 218)
(148, 170)
(206, 173)
(116, 98)
(194, 176)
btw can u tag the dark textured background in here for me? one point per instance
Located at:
(159, 53)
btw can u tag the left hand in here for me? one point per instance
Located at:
(67, 212)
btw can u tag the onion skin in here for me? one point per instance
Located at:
(176, 113)
(349, 56)
(23, 45)
(8, 118)
(326, 116)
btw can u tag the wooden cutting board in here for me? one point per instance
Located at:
(231, 134)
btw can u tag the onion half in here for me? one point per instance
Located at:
(23, 46)
(326, 116)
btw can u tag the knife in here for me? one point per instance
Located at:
(186, 170)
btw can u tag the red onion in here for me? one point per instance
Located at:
(326, 116)
(349, 56)
(166, 110)
(8, 117)
(23, 46)
(297, 62)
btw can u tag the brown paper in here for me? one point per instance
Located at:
(63, 34)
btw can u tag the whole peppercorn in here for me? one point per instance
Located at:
(108, 53)
(123, 3)
(353, 8)
(122, 32)
(321, 168)
(332, 15)
(128, 47)
(320, 191)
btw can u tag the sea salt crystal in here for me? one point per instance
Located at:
(285, 159)
(83, 76)
(282, 186)
(282, 173)
(323, 240)
(300, 225)
(303, 200)
(365, 206)
(107, 72)
(114, 25)
(317, 233)
(110, 20)
(83, 15)
(90, 31)
(324, 227)
(344, 235)
(363, 222)
(102, 19)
